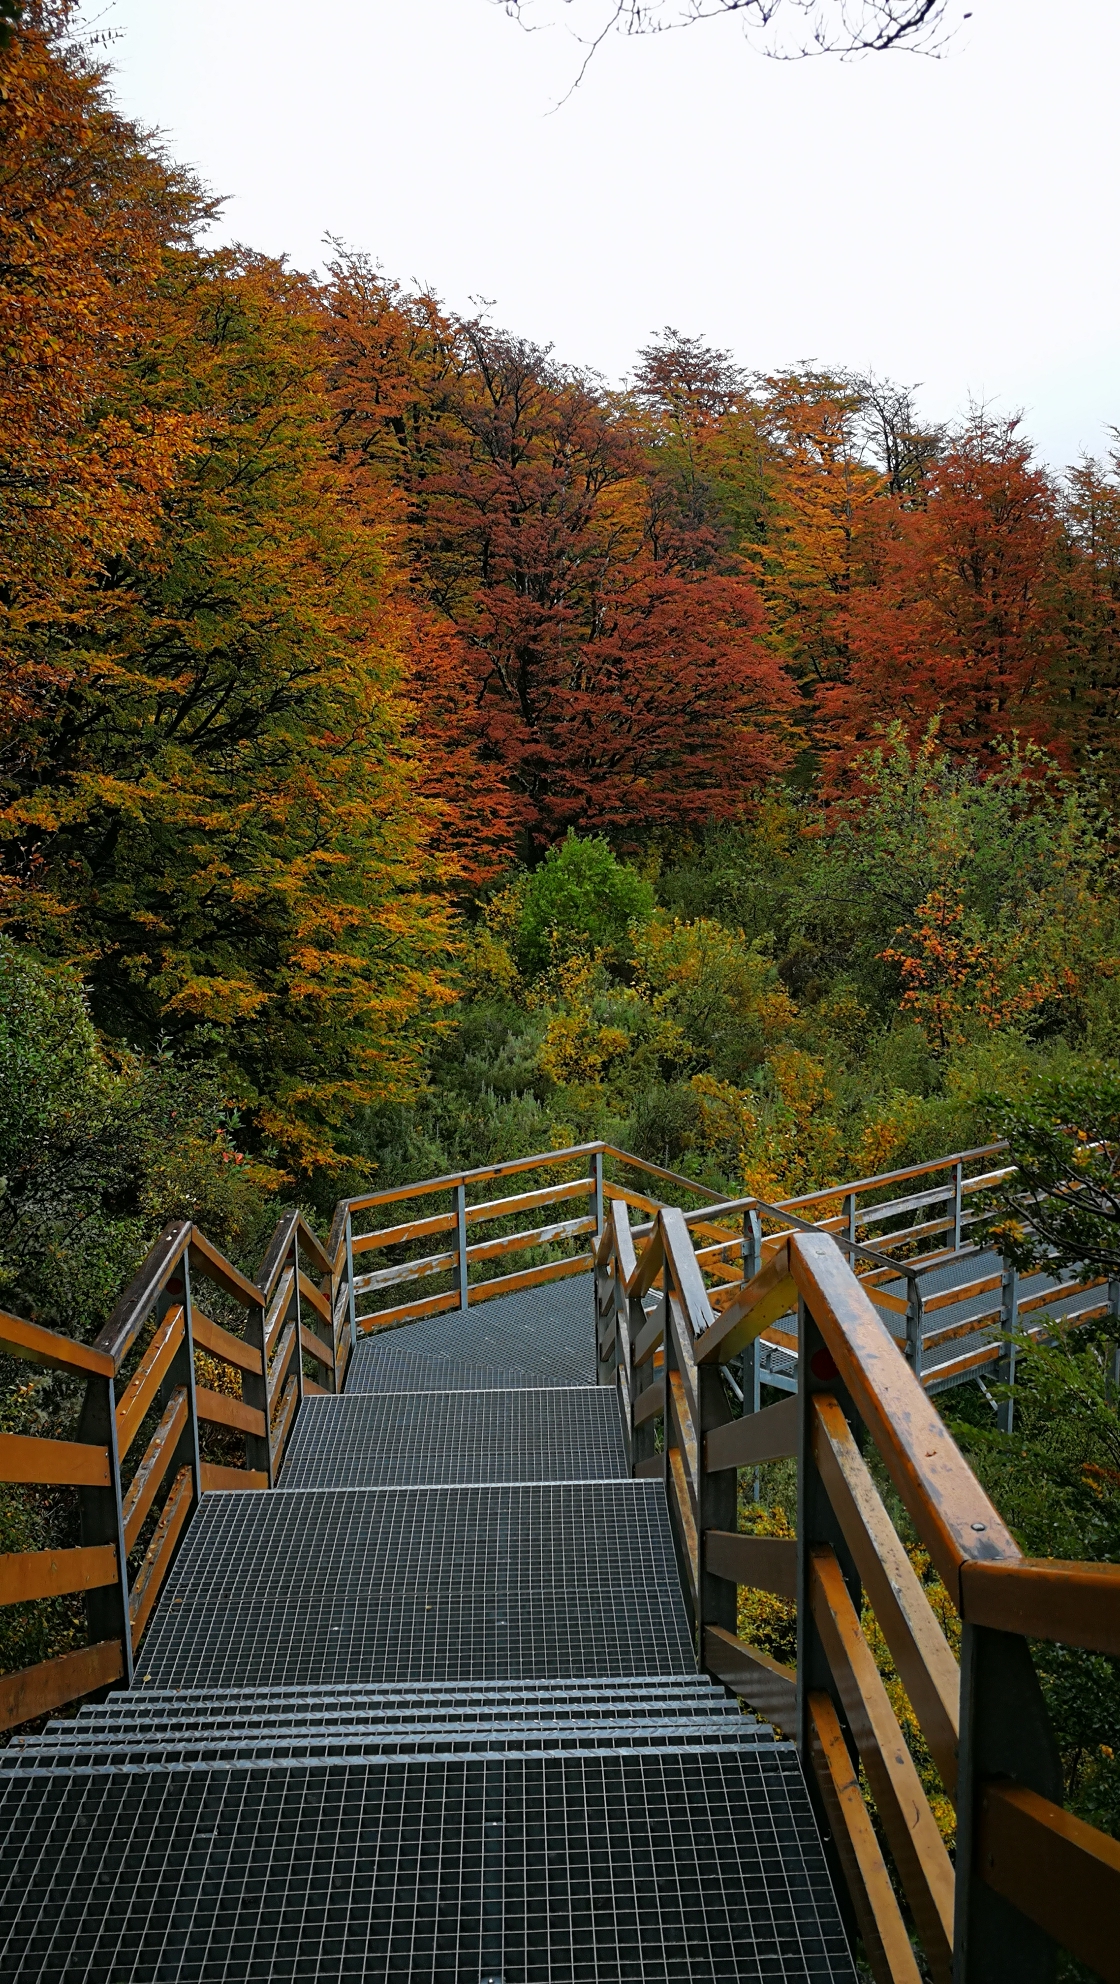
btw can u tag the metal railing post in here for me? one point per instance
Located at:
(299, 1321)
(915, 1314)
(750, 1361)
(191, 1434)
(597, 1180)
(817, 1524)
(461, 1232)
(353, 1307)
(1005, 1733)
(1005, 1369)
(958, 1204)
(850, 1217)
(108, 1614)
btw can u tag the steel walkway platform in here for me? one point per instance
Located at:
(430, 1710)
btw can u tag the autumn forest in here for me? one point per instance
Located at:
(417, 751)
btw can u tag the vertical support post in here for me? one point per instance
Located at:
(1005, 1369)
(643, 1444)
(817, 1524)
(193, 1459)
(350, 1280)
(915, 1324)
(717, 1507)
(850, 1221)
(461, 1242)
(958, 1204)
(181, 1376)
(1005, 1732)
(107, 1609)
(597, 1181)
(254, 1390)
(299, 1321)
(750, 1364)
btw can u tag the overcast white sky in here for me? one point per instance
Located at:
(949, 222)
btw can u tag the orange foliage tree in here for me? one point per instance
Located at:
(211, 802)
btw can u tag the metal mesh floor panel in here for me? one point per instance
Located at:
(556, 1434)
(647, 1869)
(379, 1365)
(549, 1330)
(361, 1584)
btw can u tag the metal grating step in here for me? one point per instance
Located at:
(549, 1330)
(426, 1584)
(634, 1868)
(142, 1719)
(612, 1692)
(484, 1736)
(362, 1441)
(382, 1364)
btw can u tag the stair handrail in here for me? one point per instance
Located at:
(142, 1374)
(1029, 1874)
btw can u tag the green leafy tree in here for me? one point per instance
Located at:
(580, 897)
(1062, 1206)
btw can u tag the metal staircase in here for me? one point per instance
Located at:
(430, 1710)
(405, 1562)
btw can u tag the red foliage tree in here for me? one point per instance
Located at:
(962, 611)
(614, 684)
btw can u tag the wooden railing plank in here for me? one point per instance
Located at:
(315, 1347)
(215, 1478)
(648, 1338)
(219, 1410)
(650, 1403)
(647, 1266)
(764, 1563)
(757, 1437)
(38, 1346)
(687, 1277)
(922, 1654)
(509, 1168)
(159, 1553)
(284, 1419)
(400, 1236)
(886, 1939)
(319, 1302)
(34, 1691)
(281, 1362)
(53, 1463)
(915, 1842)
(157, 1459)
(1046, 1599)
(222, 1343)
(409, 1312)
(764, 1683)
(207, 1260)
(278, 1308)
(143, 1291)
(1062, 1874)
(148, 1377)
(686, 1515)
(26, 1574)
(770, 1294)
(508, 1284)
(322, 1260)
(953, 1516)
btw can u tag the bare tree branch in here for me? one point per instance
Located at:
(800, 27)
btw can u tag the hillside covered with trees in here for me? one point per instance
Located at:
(415, 752)
(426, 748)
